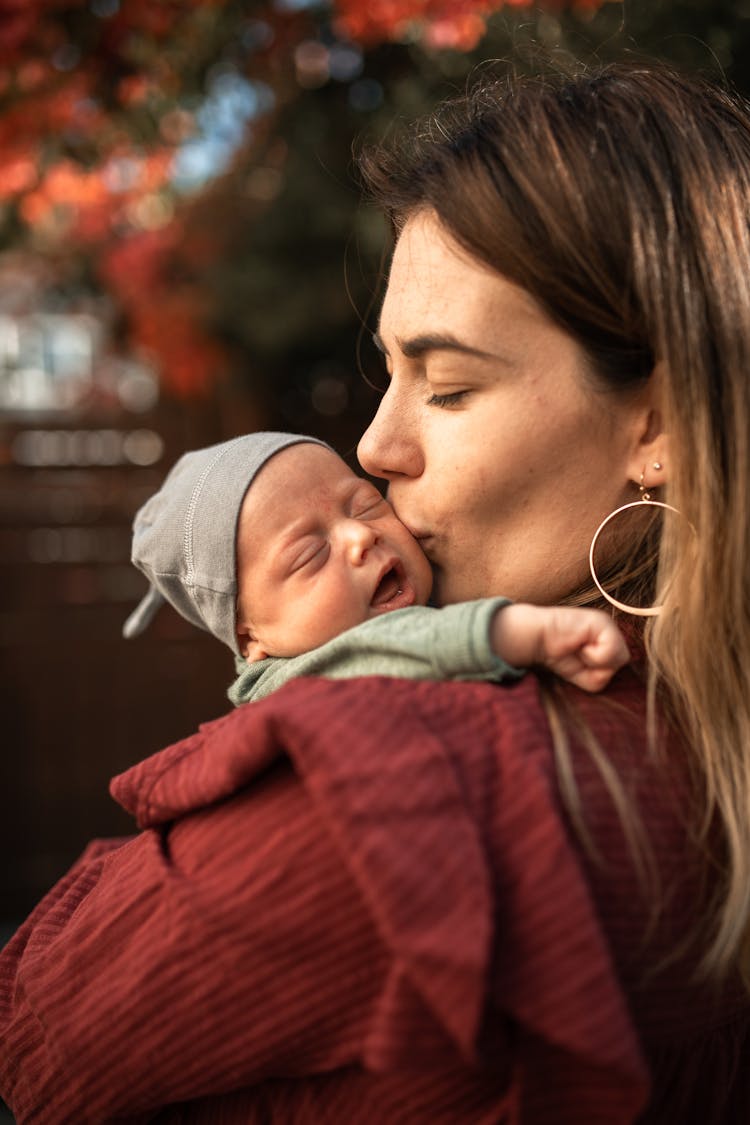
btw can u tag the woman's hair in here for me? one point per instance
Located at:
(620, 199)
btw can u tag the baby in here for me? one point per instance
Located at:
(271, 543)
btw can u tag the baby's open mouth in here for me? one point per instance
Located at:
(389, 586)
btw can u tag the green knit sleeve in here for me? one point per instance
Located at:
(419, 643)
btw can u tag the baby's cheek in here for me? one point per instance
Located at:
(326, 617)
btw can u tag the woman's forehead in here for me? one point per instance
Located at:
(437, 288)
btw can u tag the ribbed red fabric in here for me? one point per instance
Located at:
(362, 901)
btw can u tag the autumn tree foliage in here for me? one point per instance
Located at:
(120, 119)
(438, 24)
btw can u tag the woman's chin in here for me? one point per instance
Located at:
(449, 588)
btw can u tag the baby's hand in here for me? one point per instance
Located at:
(581, 645)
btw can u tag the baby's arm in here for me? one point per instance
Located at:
(419, 643)
(487, 639)
(581, 645)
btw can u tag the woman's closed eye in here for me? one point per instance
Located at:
(452, 399)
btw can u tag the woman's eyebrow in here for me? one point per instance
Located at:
(417, 346)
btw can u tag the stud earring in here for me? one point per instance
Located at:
(644, 495)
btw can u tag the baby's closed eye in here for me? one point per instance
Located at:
(313, 551)
(368, 505)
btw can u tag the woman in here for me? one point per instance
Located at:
(389, 902)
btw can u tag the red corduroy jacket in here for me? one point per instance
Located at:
(363, 901)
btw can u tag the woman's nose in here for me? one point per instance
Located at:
(358, 538)
(390, 445)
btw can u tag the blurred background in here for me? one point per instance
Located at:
(185, 256)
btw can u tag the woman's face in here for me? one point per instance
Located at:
(501, 456)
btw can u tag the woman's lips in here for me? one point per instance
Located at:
(416, 532)
(426, 541)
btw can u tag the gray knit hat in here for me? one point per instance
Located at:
(184, 537)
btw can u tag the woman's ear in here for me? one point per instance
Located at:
(650, 464)
(650, 452)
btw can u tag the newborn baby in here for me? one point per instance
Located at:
(301, 567)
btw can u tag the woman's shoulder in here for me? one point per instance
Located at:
(383, 725)
(445, 803)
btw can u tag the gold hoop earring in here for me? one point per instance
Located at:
(645, 498)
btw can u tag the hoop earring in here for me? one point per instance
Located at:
(645, 498)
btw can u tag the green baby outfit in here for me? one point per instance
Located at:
(418, 643)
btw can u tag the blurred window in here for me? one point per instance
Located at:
(46, 361)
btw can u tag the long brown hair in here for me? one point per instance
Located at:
(620, 199)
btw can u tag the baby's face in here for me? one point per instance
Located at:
(318, 551)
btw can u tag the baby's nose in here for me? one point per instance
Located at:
(359, 538)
